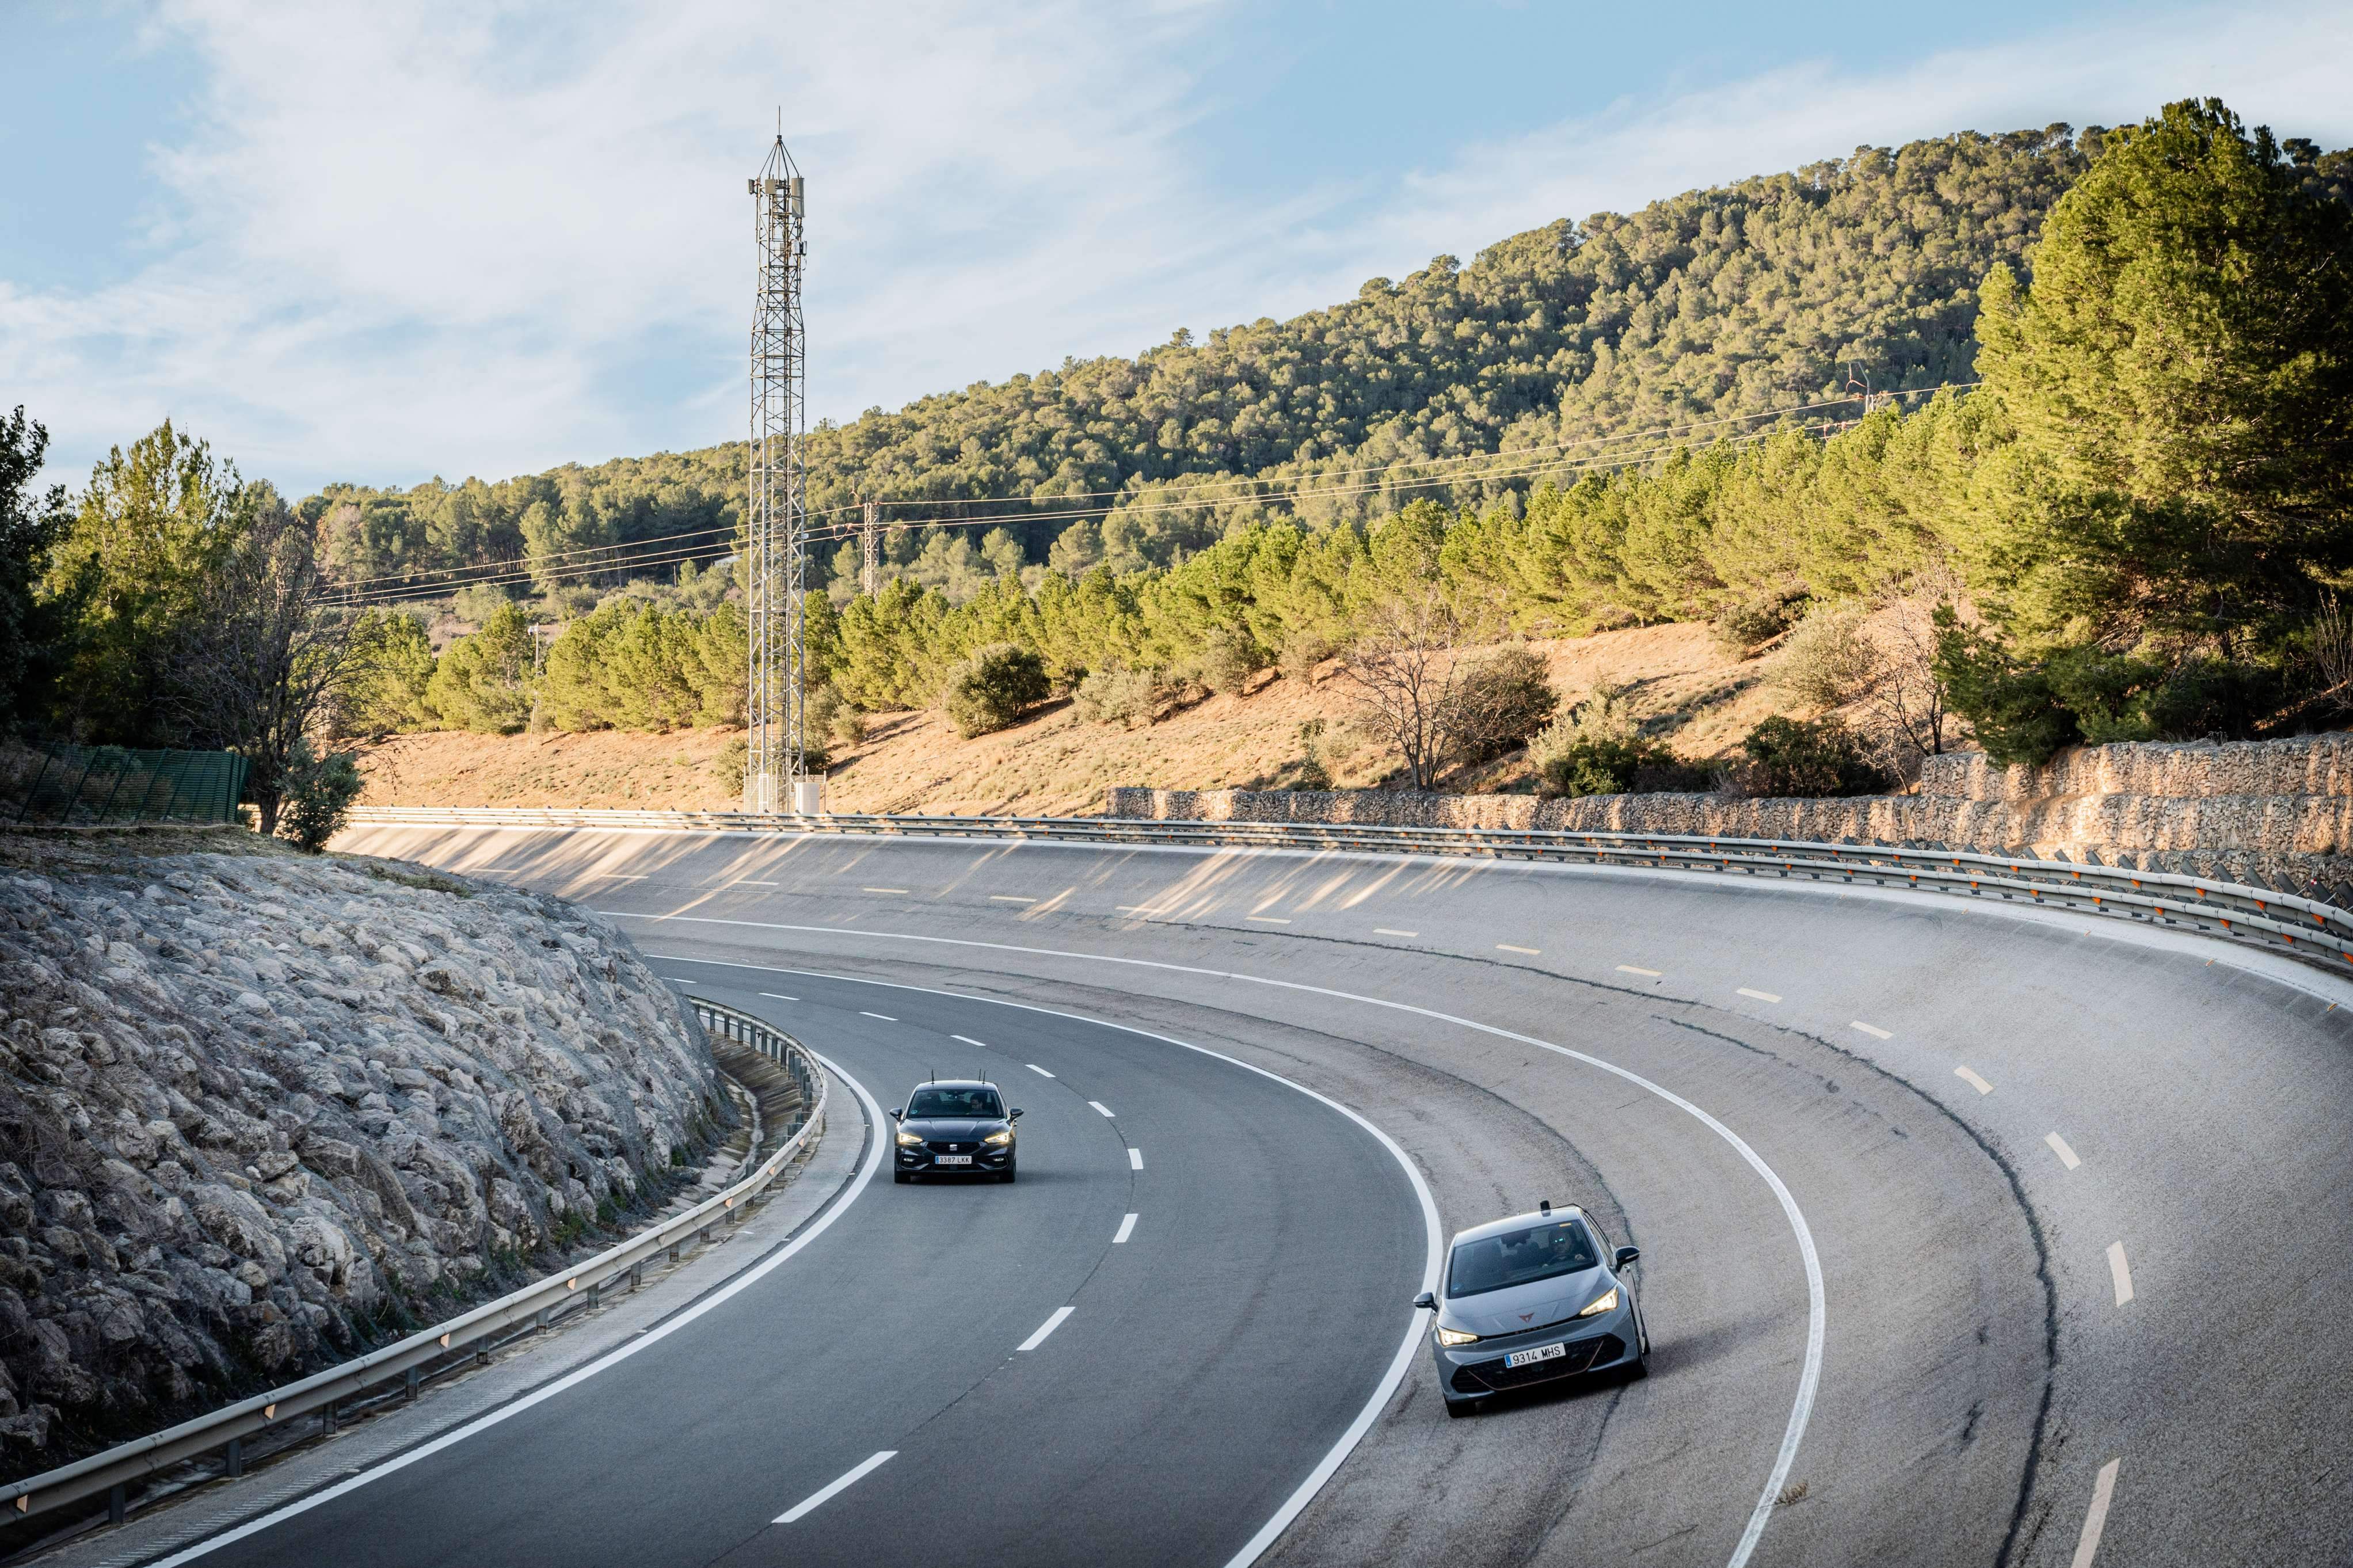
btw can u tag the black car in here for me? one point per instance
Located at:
(1530, 1300)
(954, 1125)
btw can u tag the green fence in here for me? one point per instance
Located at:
(89, 785)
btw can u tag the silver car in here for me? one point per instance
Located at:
(1529, 1301)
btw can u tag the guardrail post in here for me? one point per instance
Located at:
(115, 1508)
(236, 1458)
(412, 1381)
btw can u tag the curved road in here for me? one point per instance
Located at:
(2075, 1202)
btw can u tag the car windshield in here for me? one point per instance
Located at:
(1540, 1252)
(935, 1102)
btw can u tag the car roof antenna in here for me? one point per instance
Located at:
(1544, 1207)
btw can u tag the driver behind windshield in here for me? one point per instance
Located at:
(976, 1103)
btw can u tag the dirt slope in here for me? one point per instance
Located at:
(1056, 764)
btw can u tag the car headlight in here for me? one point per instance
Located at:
(1000, 1137)
(1605, 1302)
(1456, 1337)
(910, 1140)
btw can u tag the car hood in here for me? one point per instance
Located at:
(949, 1129)
(1522, 1309)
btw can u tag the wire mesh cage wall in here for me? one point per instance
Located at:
(60, 785)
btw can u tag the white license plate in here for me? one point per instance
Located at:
(1541, 1353)
(967, 1160)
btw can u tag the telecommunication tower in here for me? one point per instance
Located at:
(776, 517)
(870, 551)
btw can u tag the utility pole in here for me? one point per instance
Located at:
(775, 520)
(870, 551)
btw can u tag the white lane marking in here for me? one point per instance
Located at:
(1138, 909)
(881, 890)
(1873, 1030)
(1635, 969)
(2104, 1491)
(1268, 919)
(826, 1494)
(1759, 995)
(614, 876)
(747, 882)
(1507, 948)
(1126, 1229)
(1101, 1107)
(778, 996)
(1972, 1080)
(1008, 898)
(622, 1352)
(1037, 1069)
(1135, 1159)
(675, 981)
(2120, 1272)
(1810, 1375)
(2059, 1147)
(883, 1016)
(1038, 1339)
(1385, 931)
(970, 1040)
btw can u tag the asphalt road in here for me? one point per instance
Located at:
(2074, 1203)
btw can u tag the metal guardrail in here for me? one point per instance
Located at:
(2308, 927)
(463, 1340)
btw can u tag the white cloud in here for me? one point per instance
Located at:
(486, 239)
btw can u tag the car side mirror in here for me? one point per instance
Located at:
(898, 1115)
(1014, 1116)
(1425, 1299)
(1627, 1254)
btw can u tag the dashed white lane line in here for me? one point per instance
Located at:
(881, 890)
(2120, 1272)
(778, 996)
(823, 1495)
(1268, 919)
(675, 981)
(1873, 1030)
(1101, 1107)
(1138, 909)
(1759, 995)
(1008, 898)
(1972, 1080)
(747, 882)
(1037, 1069)
(616, 875)
(1135, 1159)
(883, 1016)
(1637, 969)
(2104, 1491)
(1385, 931)
(2059, 1147)
(1126, 1229)
(1507, 948)
(1053, 1323)
(968, 1040)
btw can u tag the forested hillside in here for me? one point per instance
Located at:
(1735, 300)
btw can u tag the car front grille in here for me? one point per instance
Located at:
(954, 1148)
(1582, 1355)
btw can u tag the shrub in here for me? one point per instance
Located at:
(1129, 697)
(1827, 662)
(1227, 660)
(1311, 775)
(1746, 627)
(1806, 758)
(318, 790)
(832, 716)
(1613, 765)
(988, 691)
(1498, 703)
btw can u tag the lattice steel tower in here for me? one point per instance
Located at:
(776, 518)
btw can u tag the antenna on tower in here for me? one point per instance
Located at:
(774, 518)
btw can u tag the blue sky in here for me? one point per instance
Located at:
(381, 243)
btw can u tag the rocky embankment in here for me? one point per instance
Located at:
(259, 1111)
